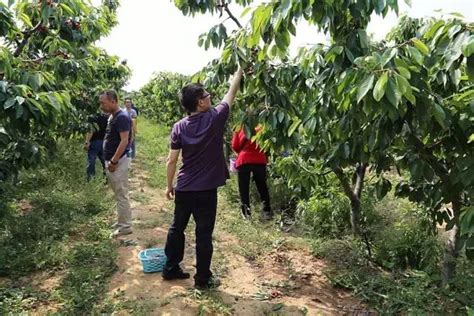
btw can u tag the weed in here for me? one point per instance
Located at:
(209, 302)
(57, 221)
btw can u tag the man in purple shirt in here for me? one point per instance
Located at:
(199, 137)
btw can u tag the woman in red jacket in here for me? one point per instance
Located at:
(251, 160)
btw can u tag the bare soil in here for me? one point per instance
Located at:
(288, 281)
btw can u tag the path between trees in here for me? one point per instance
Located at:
(287, 281)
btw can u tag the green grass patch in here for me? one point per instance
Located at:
(152, 150)
(210, 302)
(56, 222)
(256, 238)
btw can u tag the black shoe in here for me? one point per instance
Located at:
(177, 274)
(245, 216)
(245, 212)
(211, 283)
(267, 216)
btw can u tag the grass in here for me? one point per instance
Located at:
(122, 304)
(153, 144)
(210, 302)
(402, 277)
(256, 238)
(56, 224)
(139, 197)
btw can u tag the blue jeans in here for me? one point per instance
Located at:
(132, 150)
(95, 151)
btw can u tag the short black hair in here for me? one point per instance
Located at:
(128, 98)
(111, 95)
(190, 95)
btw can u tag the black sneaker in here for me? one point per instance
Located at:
(245, 216)
(267, 216)
(176, 274)
(245, 212)
(211, 283)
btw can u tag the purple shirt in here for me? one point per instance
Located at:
(200, 138)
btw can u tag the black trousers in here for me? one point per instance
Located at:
(202, 205)
(259, 173)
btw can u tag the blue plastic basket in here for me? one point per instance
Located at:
(153, 259)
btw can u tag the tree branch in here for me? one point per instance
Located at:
(360, 179)
(439, 169)
(44, 58)
(27, 34)
(345, 184)
(225, 5)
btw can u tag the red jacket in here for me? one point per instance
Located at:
(248, 152)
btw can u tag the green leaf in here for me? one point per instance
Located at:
(277, 307)
(294, 126)
(388, 55)
(471, 139)
(366, 85)
(346, 150)
(405, 88)
(9, 103)
(468, 47)
(20, 100)
(3, 86)
(404, 72)
(66, 8)
(457, 14)
(401, 63)
(260, 18)
(282, 40)
(421, 46)
(364, 42)
(393, 93)
(379, 5)
(379, 89)
(470, 67)
(53, 100)
(382, 187)
(333, 53)
(245, 11)
(37, 105)
(467, 220)
(439, 114)
(281, 116)
(37, 80)
(416, 169)
(19, 111)
(416, 55)
(433, 29)
(455, 76)
(285, 7)
(26, 19)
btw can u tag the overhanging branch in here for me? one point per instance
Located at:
(27, 34)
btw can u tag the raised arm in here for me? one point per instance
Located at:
(234, 87)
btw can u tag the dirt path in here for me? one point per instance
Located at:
(288, 281)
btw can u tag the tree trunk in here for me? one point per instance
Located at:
(353, 194)
(355, 216)
(451, 251)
